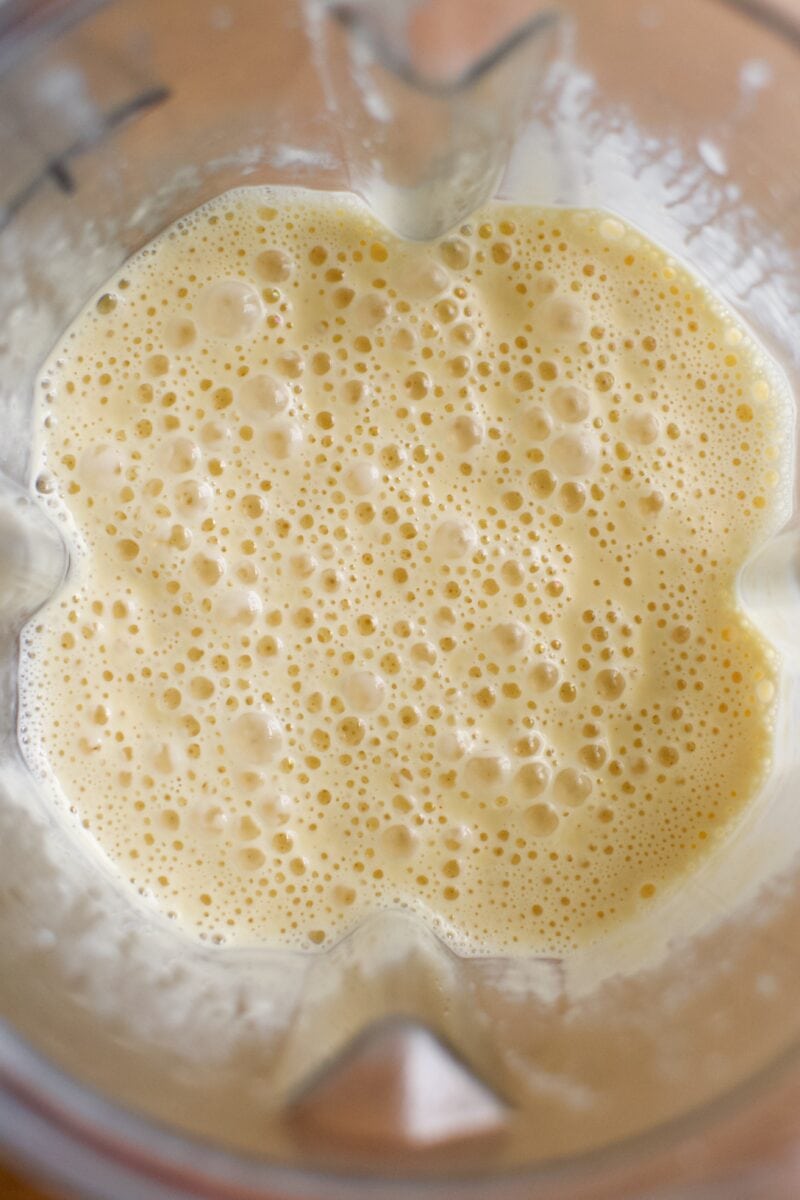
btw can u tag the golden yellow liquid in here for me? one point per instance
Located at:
(406, 573)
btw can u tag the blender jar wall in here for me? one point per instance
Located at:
(116, 120)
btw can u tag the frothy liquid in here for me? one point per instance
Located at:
(407, 573)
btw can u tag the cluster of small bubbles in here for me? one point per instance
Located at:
(404, 573)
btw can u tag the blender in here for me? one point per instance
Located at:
(136, 1062)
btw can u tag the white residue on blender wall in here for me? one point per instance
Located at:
(755, 74)
(301, 157)
(712, 155)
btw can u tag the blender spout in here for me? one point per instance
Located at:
(426, 139)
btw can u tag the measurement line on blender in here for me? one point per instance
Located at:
(352, 20)
(57, 170)
(770, 16)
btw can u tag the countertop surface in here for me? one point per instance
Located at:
(758, 1134)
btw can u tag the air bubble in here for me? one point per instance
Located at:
(364, 691)
(455, 539)
(229, 309)
(248, 829)
(486, 771)
(241, 608)
(194, 496)
(399, 841)
(100, 465)
(536, 424)
(610, 683)
(532, 779)
(452, 745)
(372, 310)
(543, 676)
(570, 404)
(182, 455)
(467, 433)
(612, 229)
(542, 820)
(642, 428)
(574, 454)
(282, 439)
(180, 333)
(256, 737)
(572, 787)
(564, 319)
(263, 397)
(511, 637)
(275, 810)
(422, 281)
(592, 755)
(455, 254)
(304, 564)
(209, 568)
(457, 837)
(252, 859)
(274, 266)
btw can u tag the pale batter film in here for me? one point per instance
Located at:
(404, 575)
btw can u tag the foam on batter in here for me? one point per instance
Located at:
(405, 574)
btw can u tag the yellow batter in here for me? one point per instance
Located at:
(405, 575)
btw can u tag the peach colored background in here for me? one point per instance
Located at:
(12, 1188)
(767, 1133)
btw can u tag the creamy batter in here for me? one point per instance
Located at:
(405, 575)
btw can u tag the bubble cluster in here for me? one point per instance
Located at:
(405, 574)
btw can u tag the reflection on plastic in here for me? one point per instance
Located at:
(397, 1085)
(423, 151)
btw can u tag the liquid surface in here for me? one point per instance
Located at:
(405, 574)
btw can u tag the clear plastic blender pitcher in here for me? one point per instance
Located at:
(135, 1062)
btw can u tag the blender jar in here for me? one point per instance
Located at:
(136, 1062)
